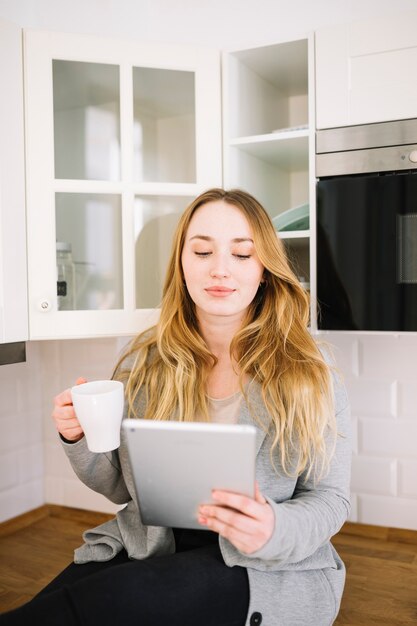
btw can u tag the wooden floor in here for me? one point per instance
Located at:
(381, 586)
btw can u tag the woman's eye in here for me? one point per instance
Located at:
(202, 253)
(242, 257)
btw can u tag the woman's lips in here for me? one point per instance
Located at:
(219, 292)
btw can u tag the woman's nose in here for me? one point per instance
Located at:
(219, 274)
(219, 269)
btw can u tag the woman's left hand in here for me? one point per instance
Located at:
(247, 523)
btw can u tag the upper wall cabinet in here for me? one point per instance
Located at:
(365, 72)
(13, 282)
(268, 129)
(120, 138)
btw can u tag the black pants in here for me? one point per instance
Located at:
(192, 587)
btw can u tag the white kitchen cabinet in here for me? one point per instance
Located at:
(13, 281)
(120, 137)
(365, 71)
(268, 146)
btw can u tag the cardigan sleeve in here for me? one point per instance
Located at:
(100, 472)
(316, 511)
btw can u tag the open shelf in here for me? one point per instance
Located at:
(294, 234)
(267, 89)
(267, 139)
(286, 150)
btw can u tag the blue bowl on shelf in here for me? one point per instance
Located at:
(297, 218)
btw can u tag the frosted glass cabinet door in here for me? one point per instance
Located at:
(86, 120)
(120, 138)
(164, 125)
(91, 227)
(155, 221)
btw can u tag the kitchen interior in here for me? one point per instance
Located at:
(118, 115)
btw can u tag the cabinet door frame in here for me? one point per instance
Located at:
(13, 278)
(45, 321)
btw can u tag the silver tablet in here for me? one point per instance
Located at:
(175, 466)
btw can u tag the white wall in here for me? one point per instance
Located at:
(379, 369)
(380, 376)
(21, 436)
(216, 23)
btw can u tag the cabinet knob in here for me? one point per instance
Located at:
(413, 156)
(44, 305)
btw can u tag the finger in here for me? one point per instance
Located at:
(65, 419)
(64, 413)
(258, 496)
(221, 517)
(237, 501)
(244, 542)
(65, 398)
(239, 538)
(69, 428)
(72, 434)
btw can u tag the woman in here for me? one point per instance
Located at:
(231, 344)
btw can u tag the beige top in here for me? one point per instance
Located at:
(225, 410)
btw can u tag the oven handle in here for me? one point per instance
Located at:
(393, 158)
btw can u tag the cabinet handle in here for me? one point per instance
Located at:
(44, 306)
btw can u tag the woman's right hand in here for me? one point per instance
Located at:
(64, 416)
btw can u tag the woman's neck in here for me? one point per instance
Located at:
(218, 333)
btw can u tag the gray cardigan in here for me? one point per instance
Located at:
(297, 578)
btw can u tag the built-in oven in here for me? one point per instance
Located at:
(367, 227)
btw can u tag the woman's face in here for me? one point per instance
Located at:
(221, 268)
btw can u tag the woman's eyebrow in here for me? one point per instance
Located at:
(234, 240)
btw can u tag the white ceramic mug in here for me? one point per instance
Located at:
(99, 409)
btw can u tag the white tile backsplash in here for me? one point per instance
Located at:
(9, 471)
(387, 511)
(63, 363)
(30, 461)
(54, 490)
(21, 498)
(383, 397)
(382, 354)
(379, 373)
(372, 397)
(407, 398)
(9, 392)
(374, 475)
(346, 353)
(78, 495)
(355, 436)
(388, 438)
(21, 441)
(407, 479)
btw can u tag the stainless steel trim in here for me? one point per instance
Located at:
(365, 161)
(398, 133)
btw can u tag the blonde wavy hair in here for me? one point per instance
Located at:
(169, 363)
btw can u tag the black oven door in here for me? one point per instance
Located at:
(367, 252)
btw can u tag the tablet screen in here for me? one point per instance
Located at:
(176, 465)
